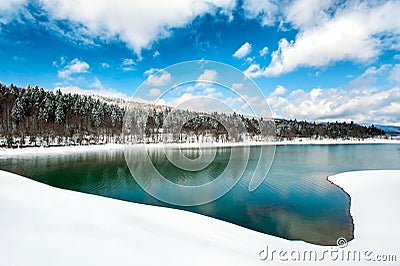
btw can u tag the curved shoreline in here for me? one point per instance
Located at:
(348, 207)
(104, 147)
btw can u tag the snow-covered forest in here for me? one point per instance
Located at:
(33, 116)
(151, 125)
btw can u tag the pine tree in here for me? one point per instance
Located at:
(17, 111)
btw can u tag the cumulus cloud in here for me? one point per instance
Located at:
(197, 99)
(254, 71)
(195, 94)
(137, 23)
(243, 51)
(362, 104)
(128, 64)
(266, 10)
(308, 13)
(279, 91)
(338, 104)
(151, 71)
(74, 67)
(209, 75)
(154, 92)
(159, 78)
(357, 31)
(237, 86)
(264, 51)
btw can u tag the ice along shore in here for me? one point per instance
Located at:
(103, 147)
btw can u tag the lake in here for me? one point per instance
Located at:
(295, 201)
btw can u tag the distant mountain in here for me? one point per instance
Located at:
(390, 130)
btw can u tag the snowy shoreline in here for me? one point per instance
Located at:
(104, 147)
(43, 225)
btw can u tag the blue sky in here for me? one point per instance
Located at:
(313, 59)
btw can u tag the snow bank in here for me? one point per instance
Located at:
(375, 201)
(42, 225)
(103, 147)
(59, 149)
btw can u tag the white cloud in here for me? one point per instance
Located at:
(244, 50)
(8, 8)
(355, 32)
(74, 67)
(181, 99)
(315, 12)
(391, 110)
(154, 92)
(209, 75)
(254, 71)
(59, 63)
(98, 90)
(160, 78)
(128, 64)
(365, 104)
(397, 57)
(151, 71)
(104, 65)
(9, 4)
(156, 53)
(203, 104)
(250, 59)
(137, 23)
(395, 73)
(97, 84)
(279, 91)
(199, 100)
(267, 10)
(264, 51)
(237, 104)
(338, 104)
(209, 91)
(369, 77)
(237, 86)
(196, 94)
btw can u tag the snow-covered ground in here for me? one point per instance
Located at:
(42, 225)
(103, 147)
(59, 149)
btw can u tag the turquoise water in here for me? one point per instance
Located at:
(295, 201)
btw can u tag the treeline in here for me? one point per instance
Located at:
(289, 129)
(36, 117)
(150, 125)
(154, 126)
